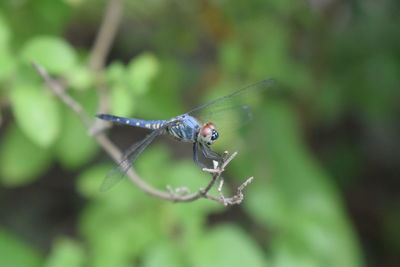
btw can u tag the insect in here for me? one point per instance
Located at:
(185, 127)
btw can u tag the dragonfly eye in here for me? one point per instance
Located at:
(208, 134)
(214, 135)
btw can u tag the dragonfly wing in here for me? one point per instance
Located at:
(112, 178)
(235, 110)
(116, 175)
(236, 98)
(229, 122)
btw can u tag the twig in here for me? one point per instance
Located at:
(221, 183)
(238, 197)
(235, 199)
(103, 141)
(97, 58)
(117, 155)
(106, 35)
(99, 53)
(60, 92)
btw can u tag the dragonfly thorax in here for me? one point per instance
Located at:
(208, 134)
(184, 128)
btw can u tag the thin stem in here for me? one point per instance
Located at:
(106, 35)
(117, 155)
(100, 50)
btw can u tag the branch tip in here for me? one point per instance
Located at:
(180, 194)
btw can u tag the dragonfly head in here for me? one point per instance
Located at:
(208, 134)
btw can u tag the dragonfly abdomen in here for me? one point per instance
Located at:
(153, 125)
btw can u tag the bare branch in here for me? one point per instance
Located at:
(60, 92)
(180, 194)
(103, 141)
(221, 183)
(106, 35)
(99, 53)
(238, 197)
(97, 60)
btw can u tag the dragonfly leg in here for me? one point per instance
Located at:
(196, 156)
(209, 153)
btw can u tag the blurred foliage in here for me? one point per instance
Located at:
(15, 252)
(336, 61)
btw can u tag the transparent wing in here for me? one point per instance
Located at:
(235, 110)
(116, 175)
(236, 98)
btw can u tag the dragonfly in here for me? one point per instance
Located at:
(187, 127)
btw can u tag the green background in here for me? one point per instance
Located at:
(324, 149)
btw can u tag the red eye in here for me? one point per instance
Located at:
(211, 125)
(206, 131)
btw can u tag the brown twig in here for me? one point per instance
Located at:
(103, 141)
(99, 52)
(97, 58)
(60, 92)
(106, 35)
(117, 155)
(238, 197)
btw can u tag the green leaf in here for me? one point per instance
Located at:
(154, 155)
(5, 32)
(90, 180)
(8, 63)
(21, 161)
(36, 113)
(75, 3)
(14, 252)
(287, 253)
(141, 72)
(80, 77)
(162, 254)
(116, 72)
(74, 147)
(330, 104)
(53, 53)
(6, 57)
(266, 204)
(231, 56)
(299, 201)
(122, 97)
(227, 245)
(110, 229)
(66, 253)
(122, 100)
